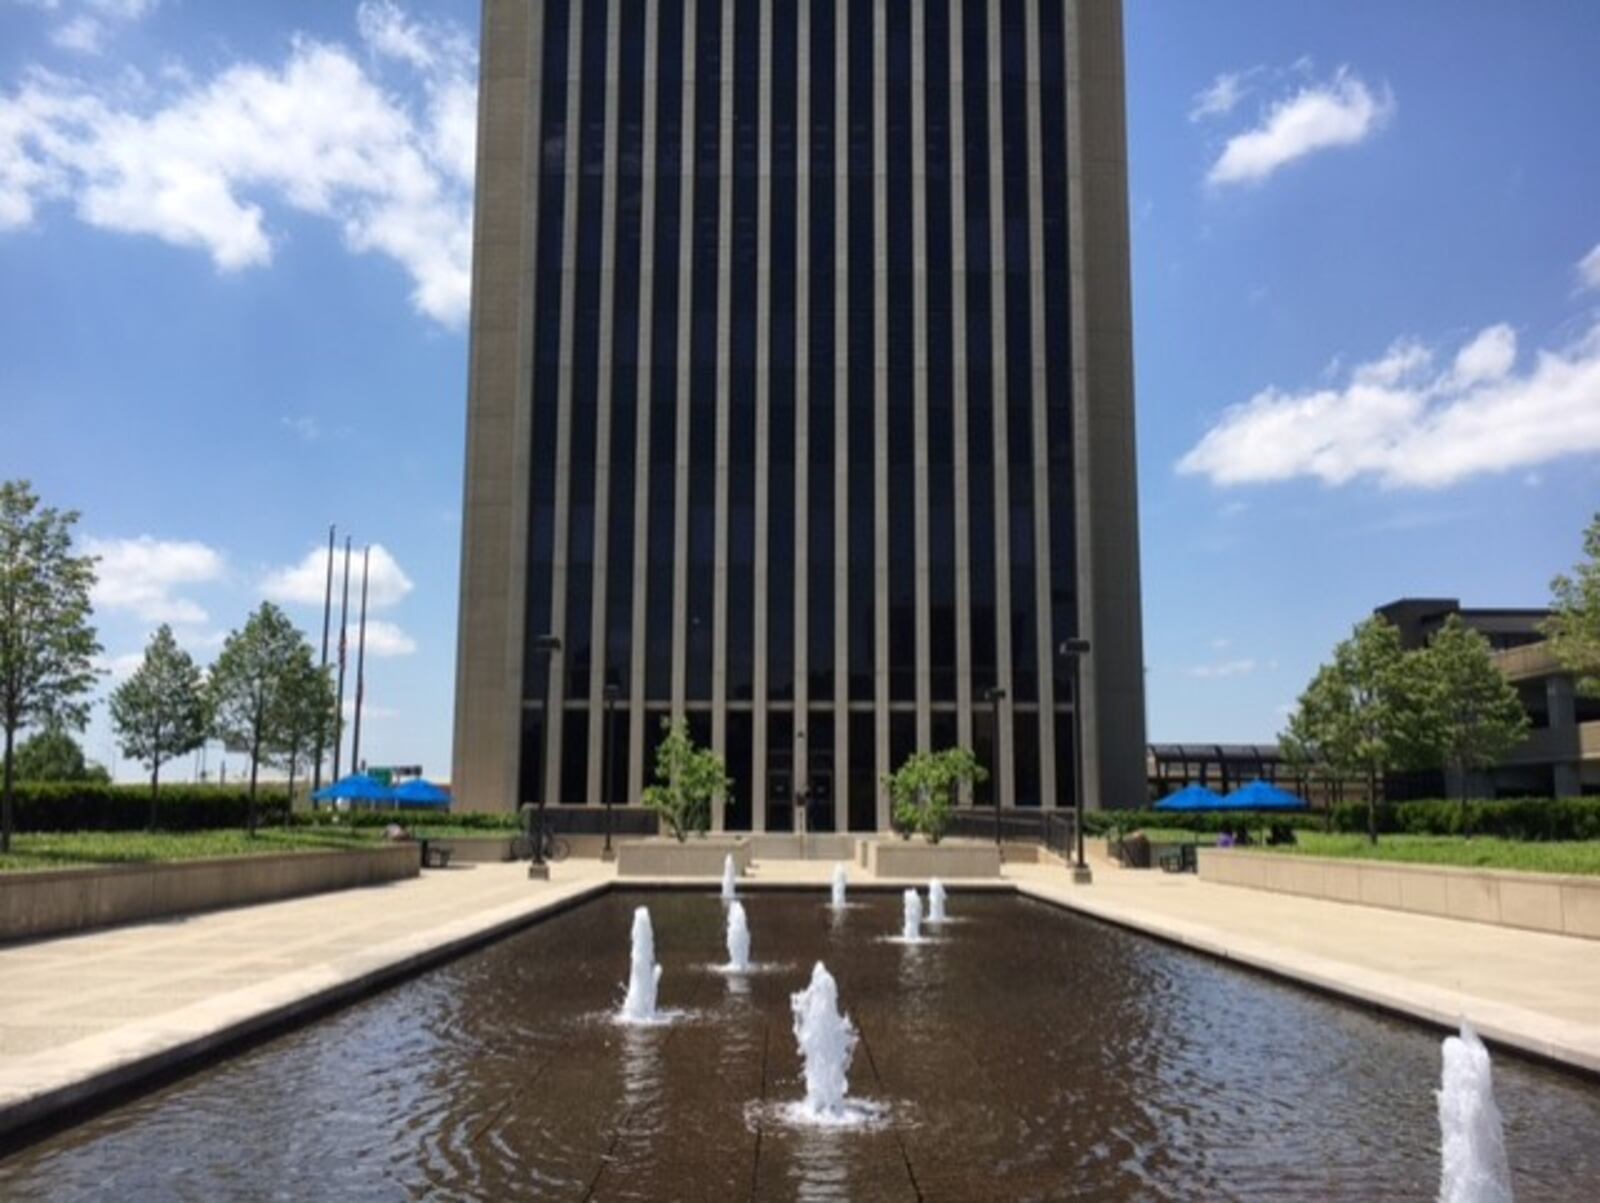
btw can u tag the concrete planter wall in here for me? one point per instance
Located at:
(821, 845)
(916, 858)
(695, 857)
(59, 901)
(475, 849)
(1547, 902)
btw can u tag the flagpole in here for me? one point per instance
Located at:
(344, 625)
(361, 662)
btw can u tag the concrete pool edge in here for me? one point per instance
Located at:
(43, 1089)
(1568, 1046)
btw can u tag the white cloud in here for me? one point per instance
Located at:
(303, 583)
(1589, 269)
(1341, 112)
(1409, 423)
(1221, 96)
(1225, 668)
(140, 575)
(82, 34)
(384, 639)
(197, 163)
(305, 426)
(120, 667)
(368, 710)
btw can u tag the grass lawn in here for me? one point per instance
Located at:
(1480, 852)
(68, 849)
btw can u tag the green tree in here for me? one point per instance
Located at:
(1472, 715)
(53, 755)
(1357, 715)
(1574, 628)
(245, 683)
(303, 705)
(924, 789)
(160, 712)
(687, 779)
(47, 646)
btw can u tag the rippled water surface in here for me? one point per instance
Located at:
(1027, 1054)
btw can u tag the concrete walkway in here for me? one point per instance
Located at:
(86, 1014)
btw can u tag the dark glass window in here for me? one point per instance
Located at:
(547, 348)
(530, 780)
(745, 219)
(578, 636)
(820, 352)
(781, 359)
(574, 757)
(943, 731)
(902, 737)
(901, 337)
(983, 747)
(1025, 747)
(1057, 334)
(863, 772)
(1019, 353)
(1066, 756)
(781, 778)
(664, 357)
(625, 343)
(615, 733)
(703, 353)
(737, 810)
(940, 356)
(862, 391)
(824, 776)
(980, 368)
(656, 721)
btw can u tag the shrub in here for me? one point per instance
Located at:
(88, 806)
(1099, 822)
(1507, 818)
(410, 817)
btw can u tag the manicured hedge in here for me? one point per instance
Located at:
(87, 806)
(410, 817)
(1508, 818)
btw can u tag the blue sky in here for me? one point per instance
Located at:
(234, 245)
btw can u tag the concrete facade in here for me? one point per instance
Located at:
(800, 401)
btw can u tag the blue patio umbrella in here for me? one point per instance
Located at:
(358, 787)
(418, 792)
(1258, 795)
(1191, 797)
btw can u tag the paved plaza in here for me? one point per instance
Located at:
(82, 1014)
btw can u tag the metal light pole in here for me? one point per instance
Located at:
(547, 647)
(1073, 651)
(612, 692)
(994, 695)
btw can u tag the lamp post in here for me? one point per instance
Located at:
(612, 692)
(994, 695)
(1073, 651)
(547, 648)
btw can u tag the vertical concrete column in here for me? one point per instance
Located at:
(493, 603)
(841, 423)
(880, 412)
(758, 718)
(680, 508)
(802, 394)
(1566, 776)
(600, 653)
(719, 603)
(1104, 460)
(919, 293)
(645, 378)
(1044, 638)
(556, 694)
(958, 376)
(1004, 785)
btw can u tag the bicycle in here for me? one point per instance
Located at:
(556, 848)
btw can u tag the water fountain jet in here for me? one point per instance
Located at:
(729, 876)
(738, 939)
(644, 974)
(838, 886)
(936, 898)
(1472, 1148)
(827, 1041)
(911, 921)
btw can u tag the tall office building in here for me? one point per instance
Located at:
(801, 400)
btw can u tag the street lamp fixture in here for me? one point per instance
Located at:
(547, 648)
(994, 695)
(612, 692)
(1073, 651)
